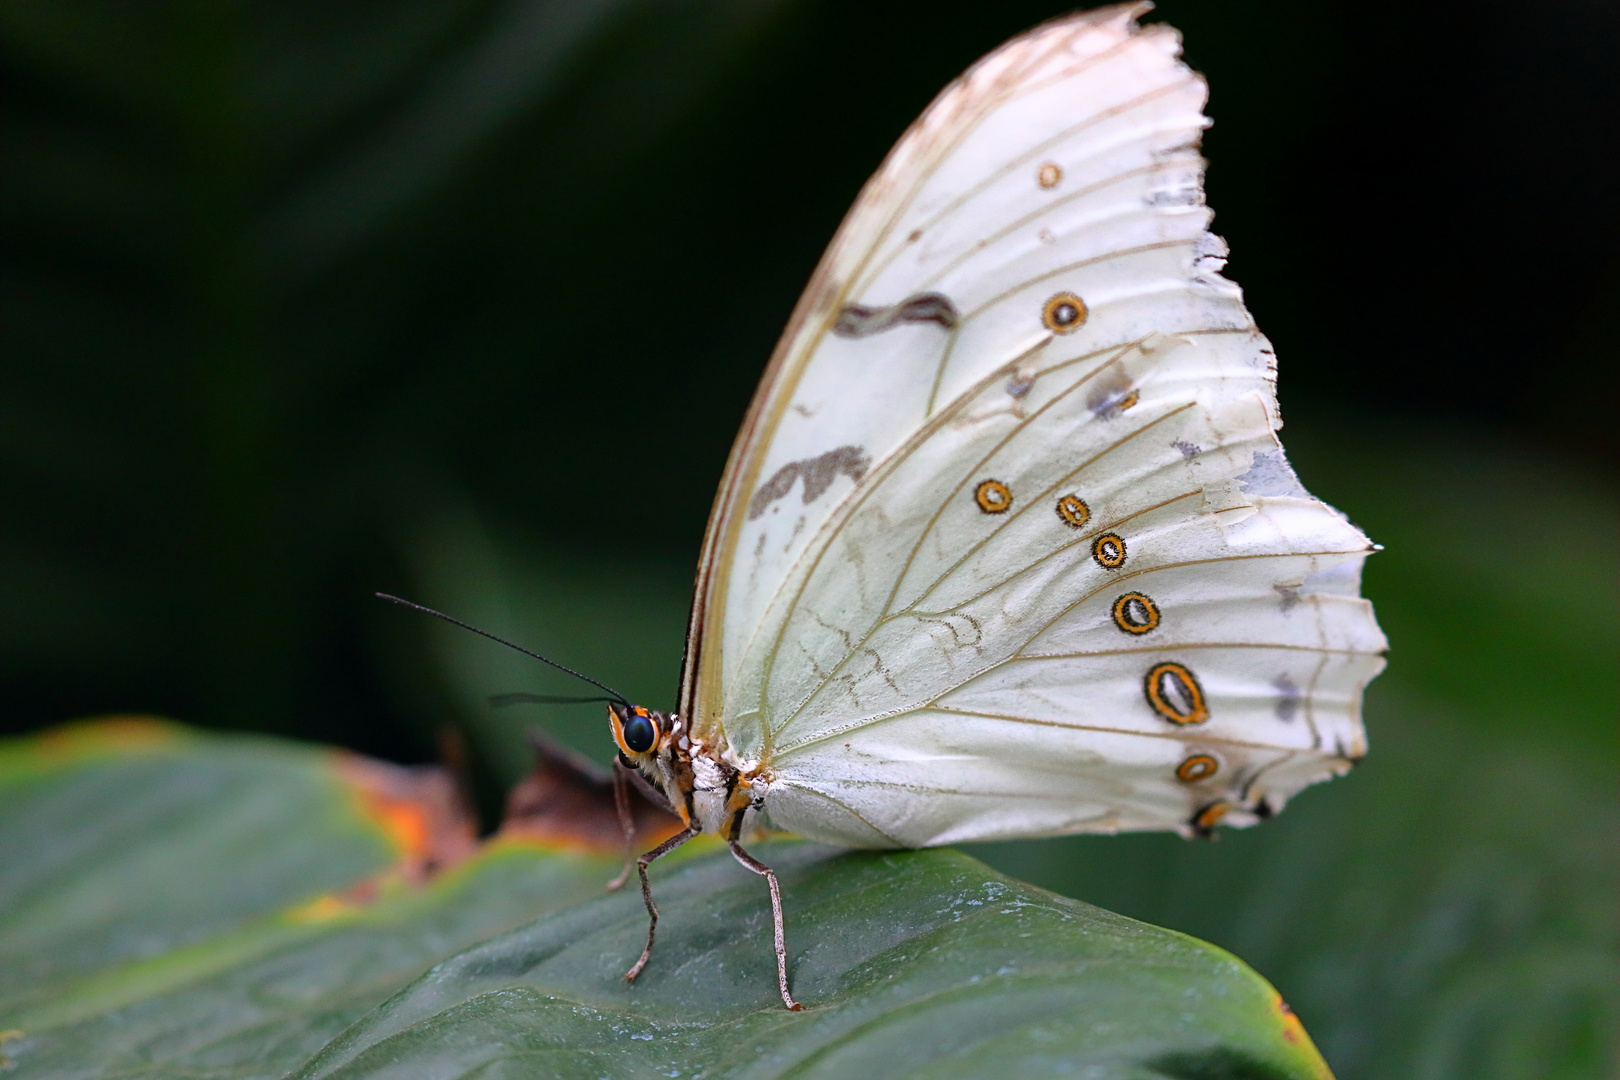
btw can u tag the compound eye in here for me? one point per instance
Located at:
(639, 733)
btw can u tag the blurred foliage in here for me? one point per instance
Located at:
(290, 285)
(249, 935)
(464, 299)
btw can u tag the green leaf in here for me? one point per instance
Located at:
(231, 907)
(125, 840)
(225, 905)
(907, 963)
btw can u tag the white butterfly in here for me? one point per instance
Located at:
(1007, 546)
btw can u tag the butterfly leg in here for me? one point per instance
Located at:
(646, 894)
(627, 821)
(776, 919)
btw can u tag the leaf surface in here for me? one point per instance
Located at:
(260, 917)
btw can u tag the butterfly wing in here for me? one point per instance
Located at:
(1007, 545)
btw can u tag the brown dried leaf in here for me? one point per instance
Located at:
(568, 801)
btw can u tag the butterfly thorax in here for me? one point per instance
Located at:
(708, 793)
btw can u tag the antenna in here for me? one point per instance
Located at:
(620, 698)
(500, 701)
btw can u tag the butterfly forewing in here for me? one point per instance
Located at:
(1007, 545)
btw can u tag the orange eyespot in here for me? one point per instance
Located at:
(1174, 693)
(1210, 816)
(1073, 510)
(636, 730)
(1064, 313)
(1049, 175)
(1197, 767)
(1109, 551)
(1135, 613)
(993, 497)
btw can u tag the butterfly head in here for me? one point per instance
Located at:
(640, 732)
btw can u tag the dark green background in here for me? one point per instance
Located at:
(464, 299)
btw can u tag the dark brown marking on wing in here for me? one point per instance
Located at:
(858, 320)
(818, 474)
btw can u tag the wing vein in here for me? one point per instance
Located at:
(1201, 737)
(921, 536)
(1018, 655)
(1030, 504)
(872, 269)
(1163, 165)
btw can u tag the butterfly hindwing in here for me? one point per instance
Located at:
(1007, 545)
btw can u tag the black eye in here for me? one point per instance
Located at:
(639, 734)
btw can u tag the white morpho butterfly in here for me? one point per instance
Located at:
(1007, 546)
